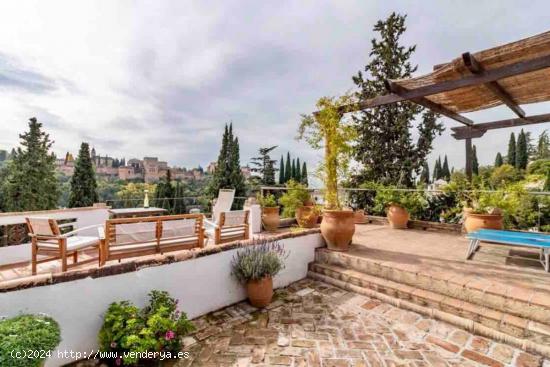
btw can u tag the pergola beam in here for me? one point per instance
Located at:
(483, 77)
(464, 132)
(423, 101)
(476, 68)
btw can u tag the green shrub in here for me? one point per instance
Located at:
(267, 201)
(264, 258)
(295, 196)
(415, 202)
(27, 333)
(156, 328)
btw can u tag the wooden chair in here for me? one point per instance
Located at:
(129, 237)
(47, 239)
(233, 225)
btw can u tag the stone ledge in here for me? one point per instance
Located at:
(138, 264)
(419, 224)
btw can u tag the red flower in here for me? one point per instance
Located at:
(169, 335)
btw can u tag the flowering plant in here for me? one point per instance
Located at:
(156, 328)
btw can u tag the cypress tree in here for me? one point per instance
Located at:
(522, 156)
(390, 125)
(83, 183)
(288, 168)
(547, 182)
(304, 174)
(445, 170)
(30, 182)
(293, 169)
(220, 179)
(237, 180)
(425, 175)
(437, 169)
(298, 171)
(498, 160)
(475, 163)
(511, 158)
(281, 171)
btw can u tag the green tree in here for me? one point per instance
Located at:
(445, 172)
(385, 145)
(304, 174)
(475, 162)
(288, 168)
(522, 156)
(179, 203)
(237, 180)
(547, 182)
(437, 169)
(220, 177)
(298, 177)
(543, 146)
(165, 192)
(498, 160)
(83, 183)
(264, 165)
(511, 157)
(281, 171)
(293, 170)
(30, 182)
(425, 175)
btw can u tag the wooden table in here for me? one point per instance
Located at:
(136, 212)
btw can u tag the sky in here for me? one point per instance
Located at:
(161, 78)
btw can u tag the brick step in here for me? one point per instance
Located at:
(459, 282)
(525, 334)
(516, 327)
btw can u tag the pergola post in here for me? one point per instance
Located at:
(468, 166)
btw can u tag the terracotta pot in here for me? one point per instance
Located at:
(359, 216)
(270, 218)
(260, 291)
(337, 229)
(474, 222)
(398, 216)
(306, 216)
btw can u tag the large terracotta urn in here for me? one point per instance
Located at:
(306, 216)
(338, 228)
(397, 216)
(260, 291)
(270, 218)
(474, 222)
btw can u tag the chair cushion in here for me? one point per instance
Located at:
(79, 242)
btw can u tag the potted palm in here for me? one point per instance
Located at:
(297, 202)
(256, 266)
(270, 212)
(326, 130)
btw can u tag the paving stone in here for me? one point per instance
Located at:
(280, 360)
(502, 353)
(481, 359)
(528, 360)
(480, 344)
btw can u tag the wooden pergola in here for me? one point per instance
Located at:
(512, 74)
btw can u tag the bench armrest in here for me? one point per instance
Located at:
(69, 234)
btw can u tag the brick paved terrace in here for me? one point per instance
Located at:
(312, 324)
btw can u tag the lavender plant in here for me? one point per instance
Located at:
(264, 258)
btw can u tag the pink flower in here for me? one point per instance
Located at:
(118, 361)
(169, 335)
(113, 344)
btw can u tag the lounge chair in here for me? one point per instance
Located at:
(232, 225)
(223, 203)
(513, 238)
(130, 237)
(47, 239)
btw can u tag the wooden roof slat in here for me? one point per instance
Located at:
(476, 68)
(399, 90)
(464, 132)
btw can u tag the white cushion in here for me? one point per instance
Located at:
(131, 247)
(78, 242)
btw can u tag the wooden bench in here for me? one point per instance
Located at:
(232, 225)
(130, 237)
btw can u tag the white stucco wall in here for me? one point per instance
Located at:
(85, 217)
(202, 285)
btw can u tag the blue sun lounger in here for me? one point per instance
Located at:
(523, 239)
